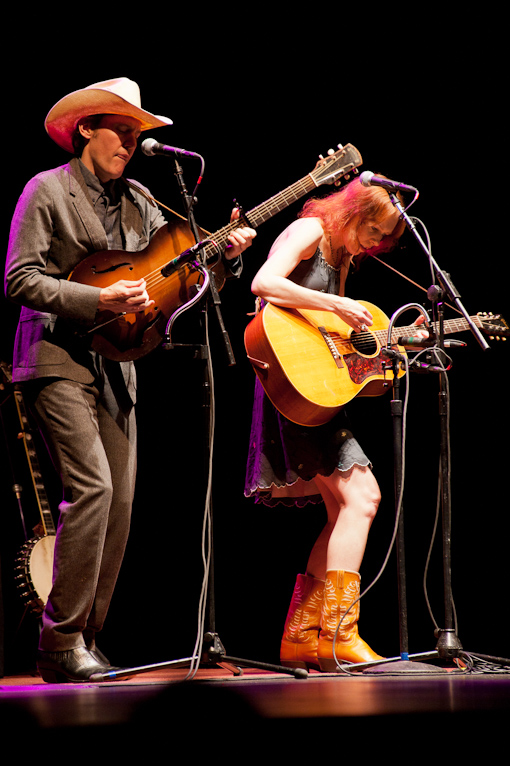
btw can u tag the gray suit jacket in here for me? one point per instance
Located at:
(54, 227)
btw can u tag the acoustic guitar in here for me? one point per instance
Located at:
(311, 363)
(125, 337)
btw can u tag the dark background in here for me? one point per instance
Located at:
(260, 100)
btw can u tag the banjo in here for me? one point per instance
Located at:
(34, 564)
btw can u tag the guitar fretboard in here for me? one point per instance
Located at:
(327, 171)
(263, 212)
(449, 326)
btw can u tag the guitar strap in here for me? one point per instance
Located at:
(155, 202)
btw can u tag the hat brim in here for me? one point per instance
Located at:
(63, 118)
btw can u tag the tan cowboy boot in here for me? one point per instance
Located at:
(341, 589)
(300, 636)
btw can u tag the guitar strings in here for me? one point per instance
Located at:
(365, 340)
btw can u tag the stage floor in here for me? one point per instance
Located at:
(446, 709)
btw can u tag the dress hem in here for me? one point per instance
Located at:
(263, 494)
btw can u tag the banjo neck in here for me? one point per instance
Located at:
(33, 463)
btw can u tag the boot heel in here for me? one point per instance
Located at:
(51, 676)
(294, 664)
(330, 666)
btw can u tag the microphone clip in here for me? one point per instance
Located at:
(391, 353)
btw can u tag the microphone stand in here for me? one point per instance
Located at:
(213, 652)
(448, 646)
(407, 663)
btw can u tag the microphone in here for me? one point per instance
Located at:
(411, 340)
(174, 264)
(150, 147)
(367, 178)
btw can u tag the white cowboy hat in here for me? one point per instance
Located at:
(119, 96)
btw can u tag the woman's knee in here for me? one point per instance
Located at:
(358, 490)
(370, 495)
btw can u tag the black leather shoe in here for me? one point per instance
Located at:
(72, 665)
(99, 657)
(97, 654)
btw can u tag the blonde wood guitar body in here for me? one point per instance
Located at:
(311, 363)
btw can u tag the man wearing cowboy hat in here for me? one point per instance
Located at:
(83, 403)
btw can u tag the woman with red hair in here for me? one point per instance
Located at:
(292, 464)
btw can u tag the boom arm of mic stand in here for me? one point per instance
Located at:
(443, 278)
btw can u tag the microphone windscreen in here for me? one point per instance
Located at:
(366, 177)
(148, 146)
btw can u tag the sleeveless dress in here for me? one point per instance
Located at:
(284, 457)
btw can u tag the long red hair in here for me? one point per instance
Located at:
(352, 205)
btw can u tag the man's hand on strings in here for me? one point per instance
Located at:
(125, 296)
(239, 239)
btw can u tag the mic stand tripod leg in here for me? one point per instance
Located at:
(217, 655)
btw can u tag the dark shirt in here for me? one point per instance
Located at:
(106, 202)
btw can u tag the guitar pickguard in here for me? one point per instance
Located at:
(361, 368)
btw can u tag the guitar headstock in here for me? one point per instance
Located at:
(331, 169)
(494, 325)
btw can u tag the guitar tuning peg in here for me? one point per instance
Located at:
(340, 146)
(331, 151)
(321, 156)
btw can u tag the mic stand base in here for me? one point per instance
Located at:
(398, 666)
(214, 655)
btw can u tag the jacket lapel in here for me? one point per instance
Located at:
(84, 208)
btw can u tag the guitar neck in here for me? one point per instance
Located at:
(449, 326)
(33, 463)
(262, 213)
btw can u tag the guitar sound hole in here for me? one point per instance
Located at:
(364, 343)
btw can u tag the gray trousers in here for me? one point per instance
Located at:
(90, 432)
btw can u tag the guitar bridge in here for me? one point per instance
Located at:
(333, 349)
